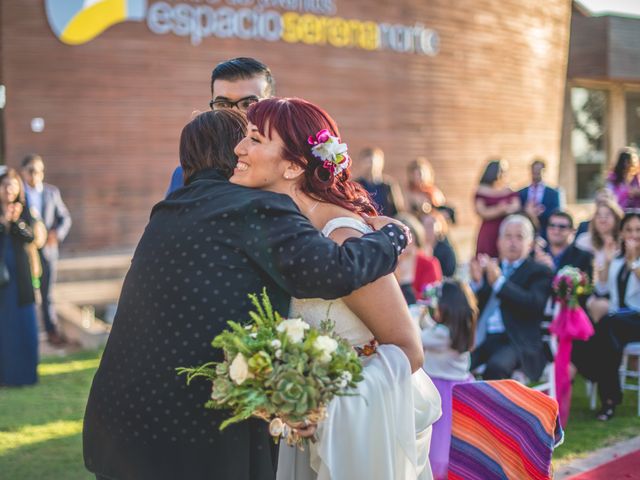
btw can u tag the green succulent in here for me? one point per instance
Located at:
(260, 364)
(222, 388)
(292, 394)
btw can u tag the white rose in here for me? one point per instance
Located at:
(326, 346)
(276, 343)
(278, 354)
(239, 369)
(276, 427)
(294, 328)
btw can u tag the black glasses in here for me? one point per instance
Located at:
(243, 104)
(559, 226)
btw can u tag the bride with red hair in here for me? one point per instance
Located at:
(293, 147)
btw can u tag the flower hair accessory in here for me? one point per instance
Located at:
(330, 151)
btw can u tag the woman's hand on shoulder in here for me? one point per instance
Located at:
(381, 221)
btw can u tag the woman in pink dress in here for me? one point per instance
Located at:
(494, 200)
(623, 181)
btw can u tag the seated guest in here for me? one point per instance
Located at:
(602, 194)
(512, 292)
(416, 268)
(447, 340)
(437, 244)
(599, 358)
(603, 241)
(384, 190)
(560, 250)
(538, 199)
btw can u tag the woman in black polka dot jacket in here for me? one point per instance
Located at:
(204, 249)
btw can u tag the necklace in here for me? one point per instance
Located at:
(314, 206)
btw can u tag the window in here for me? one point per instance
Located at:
(588, 139)
(633, 119)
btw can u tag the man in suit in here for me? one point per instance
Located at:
(235, 83)
(45, 203)
(511, 292)
(538, 199)
(204, 249)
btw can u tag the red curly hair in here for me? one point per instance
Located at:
(294, 120)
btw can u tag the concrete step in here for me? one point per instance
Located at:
(98, 292)
(100, 267)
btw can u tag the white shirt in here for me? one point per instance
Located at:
(35, 198)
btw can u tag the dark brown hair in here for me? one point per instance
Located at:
(458, 311)
(208, 141)
(294, 120)
(13, 174)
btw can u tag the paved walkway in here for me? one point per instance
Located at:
(597, 458)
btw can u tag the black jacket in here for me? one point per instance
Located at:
(20, 235)
(522, 301)
(205, 248)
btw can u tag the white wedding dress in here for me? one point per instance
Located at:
(384, 432)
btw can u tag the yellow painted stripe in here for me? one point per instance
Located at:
(91, 22)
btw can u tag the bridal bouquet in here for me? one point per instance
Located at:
(279, 369)
(569, 323)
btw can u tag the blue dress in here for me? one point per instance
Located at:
(18, 332)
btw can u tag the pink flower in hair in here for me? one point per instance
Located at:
(330, 151)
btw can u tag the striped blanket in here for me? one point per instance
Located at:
(502, 430)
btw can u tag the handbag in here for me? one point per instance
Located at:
(4, 270)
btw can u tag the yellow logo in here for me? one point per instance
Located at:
(77, 21)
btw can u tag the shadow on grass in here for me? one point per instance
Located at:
(40, 425)
(59, 459)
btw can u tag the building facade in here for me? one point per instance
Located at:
(102, 88)
(602, 102)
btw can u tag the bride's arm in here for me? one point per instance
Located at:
(383, 309)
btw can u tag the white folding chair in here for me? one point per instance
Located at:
(631, 350)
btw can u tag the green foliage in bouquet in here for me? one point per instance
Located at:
(277, 368)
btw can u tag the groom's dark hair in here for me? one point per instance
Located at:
(208, 141)
(243, 68)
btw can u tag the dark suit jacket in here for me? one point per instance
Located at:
(550, 201)
(204, 249)
(20, 235)
(522, 300)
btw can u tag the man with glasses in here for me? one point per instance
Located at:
(236, 83)
(45, 203)
(560, 250)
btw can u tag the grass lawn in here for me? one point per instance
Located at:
(584, 433)
(41, 426)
